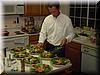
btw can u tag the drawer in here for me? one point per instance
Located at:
(33, 37)
(75, 45)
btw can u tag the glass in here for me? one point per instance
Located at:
(72, 4)
(91, 12)
(83, 22)
(92, 4)
(78, 5)
(84, 12)
(91, 23)
(78, 12)
(85, 4)
(72, 11)
(77, 22)
(72, 19)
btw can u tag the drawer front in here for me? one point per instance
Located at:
(33, 39)
(75, 45)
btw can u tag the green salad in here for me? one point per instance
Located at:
(60, 61)
(47, 55)
(34, 49)
(17, 49)
(32, 60)
(40, 68)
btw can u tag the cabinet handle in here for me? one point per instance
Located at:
(86, 51)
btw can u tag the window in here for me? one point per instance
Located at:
(83, 14)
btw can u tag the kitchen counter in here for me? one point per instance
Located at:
(81, 39)
(84, 41)
(17, 35)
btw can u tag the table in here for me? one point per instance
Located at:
(21, 67)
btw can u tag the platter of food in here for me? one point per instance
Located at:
(46, 55)
(17, 49)
(41, 68)
(33, 49)
(32, 60)
(59, 61)
(19, 52)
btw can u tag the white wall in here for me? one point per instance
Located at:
(65, 8)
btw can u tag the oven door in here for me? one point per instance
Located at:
(89, 62)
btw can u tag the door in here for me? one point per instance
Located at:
(89, 64)
(74, 56)
(32, 9)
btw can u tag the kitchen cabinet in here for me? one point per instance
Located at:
(33, 39)
(35, 9)
(73, 52)
(44, 9)
(17, 8)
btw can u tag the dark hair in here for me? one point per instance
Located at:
(55, 4)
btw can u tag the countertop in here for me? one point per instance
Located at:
(81, 40)
(18, 35)
(84, 41)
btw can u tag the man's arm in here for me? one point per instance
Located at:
(43, 33)
(70, 32)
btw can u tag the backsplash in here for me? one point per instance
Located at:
(11, 21)
(15, 22)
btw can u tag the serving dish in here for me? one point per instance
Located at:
(32, 60)
(33, 49)
(46, 55)
(41, 68)
(59, 61)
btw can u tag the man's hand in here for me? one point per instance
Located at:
(40, 45)
(63, 42)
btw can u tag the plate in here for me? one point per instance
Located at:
(32, 60)
(60, 61)
(33, 49)
(41, 68)
(46, 55)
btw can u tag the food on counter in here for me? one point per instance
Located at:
(19, 52)
(32, 60)
(40, 68)
(46, 54)
(17, 49)
(34, 49)
(60, 61)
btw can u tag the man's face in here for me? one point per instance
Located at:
(54, 11)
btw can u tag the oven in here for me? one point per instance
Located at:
(90, 60)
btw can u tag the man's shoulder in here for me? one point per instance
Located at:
(48, 17)
(65, 16)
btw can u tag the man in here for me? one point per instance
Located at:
(56, 29)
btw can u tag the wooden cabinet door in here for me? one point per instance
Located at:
(33, 39)
(44, 9)
(74, 56)
(73, 52)
(32, 9)
(39, 9)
